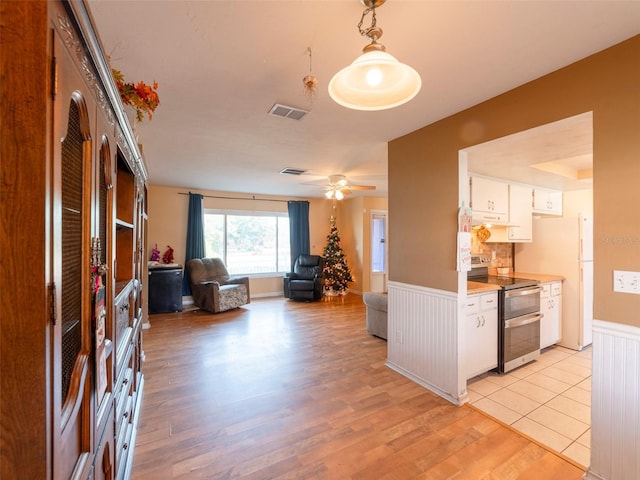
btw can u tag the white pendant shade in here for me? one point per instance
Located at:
(374, 81)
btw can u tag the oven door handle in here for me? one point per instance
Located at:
(525, 320)
(522, 291)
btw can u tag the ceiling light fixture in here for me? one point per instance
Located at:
(310, 81)
(375, 80)
(334, 193)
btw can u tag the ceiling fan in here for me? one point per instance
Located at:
(339, 187)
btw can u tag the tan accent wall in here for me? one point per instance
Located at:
(167, 223)
(423, 172)
(350, 228)
(354, 227)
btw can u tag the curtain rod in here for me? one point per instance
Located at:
(253, 197)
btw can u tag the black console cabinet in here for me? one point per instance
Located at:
(165, 288)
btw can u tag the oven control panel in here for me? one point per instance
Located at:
(479, 260)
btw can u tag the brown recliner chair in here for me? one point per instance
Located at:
(306, 280)
(212, 287)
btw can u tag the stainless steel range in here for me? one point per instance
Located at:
(518, 314)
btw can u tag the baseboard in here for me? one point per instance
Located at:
(432, 388)
(268, 294)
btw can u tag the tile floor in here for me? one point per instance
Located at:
(548, 400)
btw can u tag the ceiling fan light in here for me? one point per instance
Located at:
(374, 81)
(339, 195)
(329, 194)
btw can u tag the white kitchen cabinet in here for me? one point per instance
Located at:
(551, 308)
(489, 200)
(520, 213)
(520, 217)
(547, 202)
(481, 334)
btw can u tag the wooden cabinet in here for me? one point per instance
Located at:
(551, 308)
(73, 236)
(489, 200)
(480, 338)
(547, 202)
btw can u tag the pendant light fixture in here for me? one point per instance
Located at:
(375, 80)
(310, 82)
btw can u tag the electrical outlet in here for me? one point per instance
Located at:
(626, 282)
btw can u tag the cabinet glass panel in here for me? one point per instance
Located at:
(72, 213)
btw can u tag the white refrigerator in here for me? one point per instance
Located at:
(564, 246)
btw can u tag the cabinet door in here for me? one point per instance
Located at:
(489, 200)
(102, 244)
(546, 322)
(71, 271)
(556, 308)
(481, 335)
(550, 307)
(488, 341)
(547, 202)
(520, 199)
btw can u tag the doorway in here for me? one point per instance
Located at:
(379, 251)
(549, 399)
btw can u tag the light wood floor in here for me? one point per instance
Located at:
(286, 390)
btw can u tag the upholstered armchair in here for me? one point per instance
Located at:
(212, 287)
(305, 282)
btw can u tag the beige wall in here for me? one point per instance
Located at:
(423, 172)
(167, 224)
(577, 202)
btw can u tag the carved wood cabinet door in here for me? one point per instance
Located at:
(71, 361)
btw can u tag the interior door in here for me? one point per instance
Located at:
(379, 251)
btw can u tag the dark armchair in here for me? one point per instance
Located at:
(212, 287)
(306, 281)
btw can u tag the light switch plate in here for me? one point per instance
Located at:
(626, 282)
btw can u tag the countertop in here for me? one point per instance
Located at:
(541, 277)
(477, 287)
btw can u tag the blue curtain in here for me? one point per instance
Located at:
(298, 229)
(195, 236)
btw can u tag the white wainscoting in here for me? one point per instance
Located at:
(615, 402)
(423, 337)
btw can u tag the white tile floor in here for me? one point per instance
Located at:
(548, 400)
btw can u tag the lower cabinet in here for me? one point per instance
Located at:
(481, 334)
(128, 385)
(103, 463)
(551, 308)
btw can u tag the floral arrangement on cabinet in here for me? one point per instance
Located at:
(142, 97)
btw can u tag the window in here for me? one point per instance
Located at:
(248, 243)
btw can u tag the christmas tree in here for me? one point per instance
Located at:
(336, 272)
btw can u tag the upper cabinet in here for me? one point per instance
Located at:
(547, 202)
(520, 214)
(507, 208)
(489, 200)
(520, 228)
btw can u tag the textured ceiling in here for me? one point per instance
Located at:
(222, 65)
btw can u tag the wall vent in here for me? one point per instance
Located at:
(292, 171)
(288, 112)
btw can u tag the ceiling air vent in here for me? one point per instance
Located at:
(292, 171)
(287, 112)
